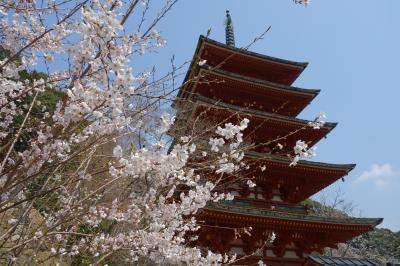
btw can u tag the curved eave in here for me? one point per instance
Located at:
(205, 70)
(198, 98)
(300, 65)
(300, 181)
(325, 166)
(193, 63)
(268, 214)
(312, 92)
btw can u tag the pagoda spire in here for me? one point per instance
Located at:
(230, 37)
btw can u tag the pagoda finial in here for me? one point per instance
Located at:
(230, 37)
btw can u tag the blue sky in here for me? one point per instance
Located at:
(353, 52)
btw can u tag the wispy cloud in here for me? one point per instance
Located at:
(379, 174)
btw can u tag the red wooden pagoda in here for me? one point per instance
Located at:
(233, 84)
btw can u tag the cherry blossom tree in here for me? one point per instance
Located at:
(86, 170)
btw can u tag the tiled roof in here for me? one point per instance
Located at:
(234, 208)
(214, 70)
(216, 103)
(254, 54)
(337, 261)
(268, 156)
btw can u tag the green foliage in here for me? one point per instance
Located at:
(48, 100)
(312, 205)
(104, 227)
(86, 258)
(318, 209)
(31, 76)
(49, 201)
(381, 244)
(42, 204)
(4, 53)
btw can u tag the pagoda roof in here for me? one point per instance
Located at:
(258, 113)
(284, 220)
(245, 62)
(296, 182)
(267, 129)
(234, 88)
(302, 163)
(339, 261)
(277, 206)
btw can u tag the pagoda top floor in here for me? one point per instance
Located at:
(244, 62)
(246, 91)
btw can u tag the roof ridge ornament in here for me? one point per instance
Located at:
(230, 37)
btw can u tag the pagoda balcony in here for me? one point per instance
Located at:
(247, 92)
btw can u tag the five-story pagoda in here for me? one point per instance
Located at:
(230, 84)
